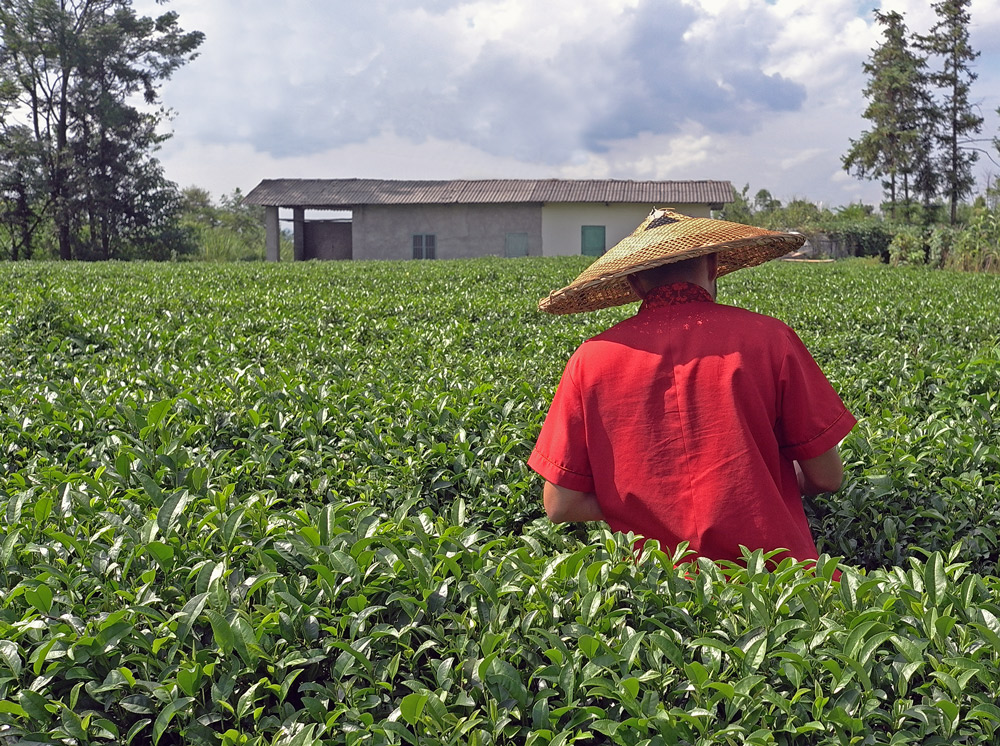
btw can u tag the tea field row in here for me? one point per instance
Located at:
(288, 504)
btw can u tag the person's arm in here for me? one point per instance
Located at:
(825, 473)
(563, 505)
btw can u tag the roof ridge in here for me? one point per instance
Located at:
(344, 193)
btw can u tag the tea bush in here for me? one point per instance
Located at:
(288, 505)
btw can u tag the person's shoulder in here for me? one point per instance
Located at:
(745, 316)
(765, 332)
(612, 332)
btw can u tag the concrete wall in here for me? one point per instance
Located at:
(327, 239)
(562, 223)
(386, 232)
(272, 234)
(823, 245)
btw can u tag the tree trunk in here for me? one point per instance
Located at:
(906, 196)
(954, 170)
(105, 237)
(954, 136)
(24, 218)
(63, 232)
(60, 186)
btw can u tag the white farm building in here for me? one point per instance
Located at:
(379, 219)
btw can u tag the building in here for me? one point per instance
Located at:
(457, 219)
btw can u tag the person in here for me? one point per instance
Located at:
(691, 421)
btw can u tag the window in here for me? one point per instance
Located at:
(516, 244)
(423, 245)
(592, 240)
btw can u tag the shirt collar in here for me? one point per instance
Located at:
(675, 294)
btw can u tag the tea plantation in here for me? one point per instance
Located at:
(255, 504)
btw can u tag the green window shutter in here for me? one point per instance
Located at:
(424, 245)
(592, 240)
(516, 244)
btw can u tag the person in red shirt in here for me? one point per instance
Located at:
(691, 421)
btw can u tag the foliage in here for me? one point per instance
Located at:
(917, 143)
(741, 209)
(765, 211)
(22, 195)
(908, 246)
(230, 231)
(867, 236)
(70, 75)
(799, 214)
(940, 241)
(958, 119)
(853, 225)
(977, 246)
(995, 186)
(258, 504)
(897, 148)
(973, 247)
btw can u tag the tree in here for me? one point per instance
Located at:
(22, 196)
(764, 202)
(948, 39)
(230, 231)
(896, 149)
(77, 67)
(740, 210)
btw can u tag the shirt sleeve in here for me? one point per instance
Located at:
(812, 419)
(560, 455)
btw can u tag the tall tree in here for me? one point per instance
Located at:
(22, 198)
(896, 149)
(78, 67)
(948, 40)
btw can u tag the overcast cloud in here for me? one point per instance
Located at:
(747, 90)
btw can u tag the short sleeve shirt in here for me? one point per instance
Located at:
(685, 419)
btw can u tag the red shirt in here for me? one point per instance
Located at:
(684, 420)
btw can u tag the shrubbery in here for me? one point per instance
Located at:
(227, 232)
(865, 237)
(972, 245)
(260, 505)
(977, 247)
(909, 246)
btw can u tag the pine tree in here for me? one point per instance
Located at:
(948, 40)
(896, 149)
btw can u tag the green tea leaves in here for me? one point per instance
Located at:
(167, 714)
(290, 505)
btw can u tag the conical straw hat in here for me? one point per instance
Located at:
(662, 238)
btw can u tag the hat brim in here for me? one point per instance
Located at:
(604, 284)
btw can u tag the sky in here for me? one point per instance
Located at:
(760, 92)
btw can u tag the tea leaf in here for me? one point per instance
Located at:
(167, 714)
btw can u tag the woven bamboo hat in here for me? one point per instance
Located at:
(662, 238)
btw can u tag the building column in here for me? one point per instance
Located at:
(272, 235)
(299, 234)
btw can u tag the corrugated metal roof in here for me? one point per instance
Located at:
(347, 193)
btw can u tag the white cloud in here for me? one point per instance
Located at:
(801, 157)
(221, 168)
(760, 91)
(497, 75)
(647, 156)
